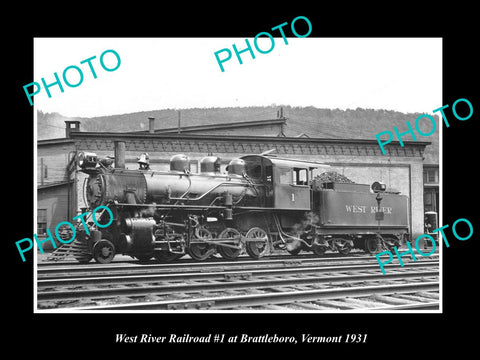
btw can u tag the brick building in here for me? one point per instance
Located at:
(60, 184)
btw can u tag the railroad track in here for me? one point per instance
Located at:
(51, 269)
(341, 283)
(215, 259)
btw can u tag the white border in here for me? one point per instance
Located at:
(75, 310)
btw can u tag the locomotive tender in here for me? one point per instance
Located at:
(263, 203)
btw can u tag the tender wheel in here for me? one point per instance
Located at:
(391, 241)
(228, 252)
(166, 256)
(103, 251)
(371, 245)
(318, 250)
(343, 246)
(257, 249)
(201, 251)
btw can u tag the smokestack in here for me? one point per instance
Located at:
(119, 153)
(151, 125)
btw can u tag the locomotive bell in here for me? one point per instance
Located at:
(143, 159)
(180, 163)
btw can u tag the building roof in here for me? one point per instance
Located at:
(56, 141)
(115, 135)
(213, 133)
(222, 126)
(54, 184)
(161, 135)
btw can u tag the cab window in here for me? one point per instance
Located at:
(253, 168)
(284, 176)
(300, 176)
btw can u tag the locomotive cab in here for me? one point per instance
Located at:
(287, 182)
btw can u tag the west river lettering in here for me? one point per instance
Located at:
(365, 209)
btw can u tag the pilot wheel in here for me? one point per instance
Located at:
(103, 251)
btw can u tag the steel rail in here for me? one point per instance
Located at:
(49, 272)
(232, 302)
(129, 278)
(75, 266)
(242, 284)
(433, 305)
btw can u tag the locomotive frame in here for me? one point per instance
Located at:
(263, 203)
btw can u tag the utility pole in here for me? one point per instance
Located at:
(179, 127)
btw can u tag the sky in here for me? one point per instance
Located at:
(401, 74)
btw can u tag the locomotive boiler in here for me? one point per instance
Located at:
(261, 203)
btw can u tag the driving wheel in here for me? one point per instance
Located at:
(228, 252)
(199, 250)
(260, 247)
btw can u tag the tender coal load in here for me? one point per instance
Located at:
(332, 176)
(325, 180)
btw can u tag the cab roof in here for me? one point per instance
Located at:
(289, 163)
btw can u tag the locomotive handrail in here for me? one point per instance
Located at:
(84, 191)
(204, 194)
(252, 184)
(186, 192)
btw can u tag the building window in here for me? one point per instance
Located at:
(428, 200)
(430, 176)
(431, 199)
(41, 221)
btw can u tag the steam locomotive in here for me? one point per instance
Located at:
(262, 202)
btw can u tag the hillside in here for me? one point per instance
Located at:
(312, 121)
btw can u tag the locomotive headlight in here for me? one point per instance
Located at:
(378, 187)
(87, 160)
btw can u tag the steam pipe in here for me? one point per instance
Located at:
(281, 233)
(204, 194)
